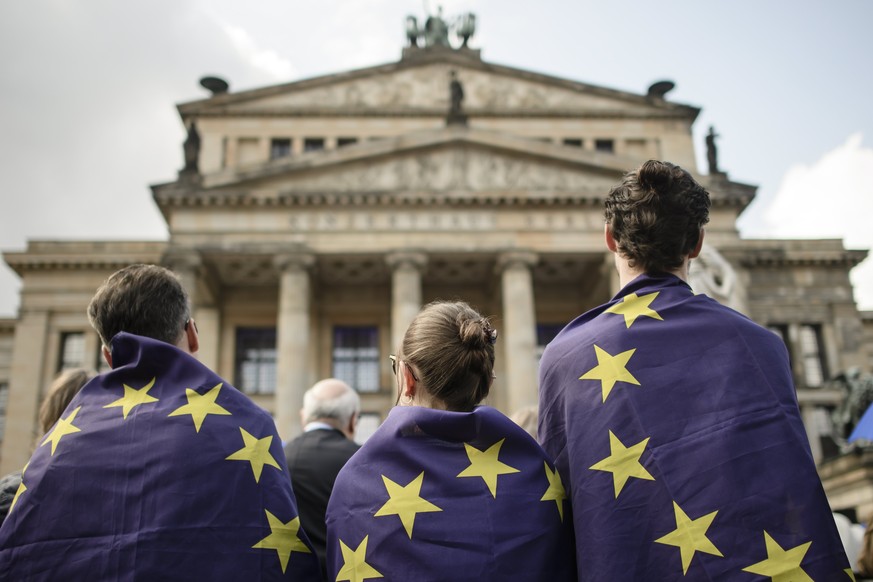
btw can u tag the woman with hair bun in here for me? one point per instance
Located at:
(447, 489)
(673, 419)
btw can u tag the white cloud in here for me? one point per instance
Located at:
(266, 60)
(831, 198)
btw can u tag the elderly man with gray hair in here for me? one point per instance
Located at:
(329, 416)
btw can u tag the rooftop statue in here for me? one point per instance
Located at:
(857, 390)
(712, 151)
(191, 148)
(435, 32)
(456, 114)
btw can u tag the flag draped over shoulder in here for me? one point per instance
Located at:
(157, 470)
(674, 423)
(437, 495)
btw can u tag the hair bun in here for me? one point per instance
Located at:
(476, 333)
(655, 175)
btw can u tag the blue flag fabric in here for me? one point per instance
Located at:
(437, 495)
(864, 429)
(674, 424)
(157, 470)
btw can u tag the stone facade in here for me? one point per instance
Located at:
(326, 212)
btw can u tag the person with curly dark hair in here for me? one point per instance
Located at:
(447, 489)
(673, 419)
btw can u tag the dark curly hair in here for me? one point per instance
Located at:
(656, 214)
(451, 347)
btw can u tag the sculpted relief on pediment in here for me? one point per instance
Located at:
(428, 88)
(449, 169)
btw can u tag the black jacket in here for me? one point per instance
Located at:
(314, 459)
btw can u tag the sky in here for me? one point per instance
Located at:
(88, 93)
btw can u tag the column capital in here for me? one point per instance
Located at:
(400, 259)
(293, 261)
(515, 258)
(182, 259)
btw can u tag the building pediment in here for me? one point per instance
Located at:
(450, 164)
(458, 161)
(420, 86)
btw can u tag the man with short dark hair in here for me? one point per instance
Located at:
(158, 469)
(329, 415)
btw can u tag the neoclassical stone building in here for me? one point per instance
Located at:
(313, 219)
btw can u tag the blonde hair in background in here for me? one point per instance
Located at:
(62, 390)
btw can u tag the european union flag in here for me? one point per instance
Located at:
(157, 470)
(675, 427)
(437, 495)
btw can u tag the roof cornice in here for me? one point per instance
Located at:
(218, 105)
(78, 255)
(793, 253)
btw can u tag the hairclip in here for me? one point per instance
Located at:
(490, 332)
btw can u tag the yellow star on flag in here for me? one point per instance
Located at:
(405, 502)
(200, 405)
(21, 489)
(610, 369)
(257, 452)
(556, 491)
(634, 306)
(63, 427)
(355, 568)
(283, 538)
(850, 573)
(690, 536)
(623, 462)
(133, 397)
(781, 565)
(485, 464)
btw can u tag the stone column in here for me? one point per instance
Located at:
(292, 340)
(406, 269)
(26, 383)
(188, 266)
(519, 328)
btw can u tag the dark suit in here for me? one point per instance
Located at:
(314, 459)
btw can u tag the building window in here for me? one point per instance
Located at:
(72, 353)
(546, 332)
(356, 357)
(4, 400)
(313, 144)
(280, 148)
(256, 360)
(345, 141)
(814, 370)
(604, 145)
(573, 142)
